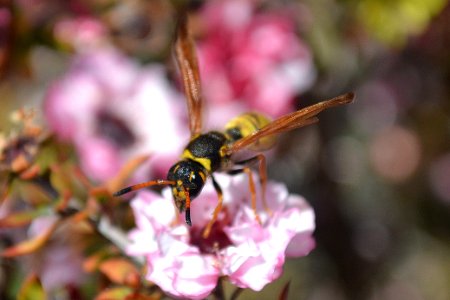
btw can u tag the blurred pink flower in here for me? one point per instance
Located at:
(186, 265)
(59, 263)
(5, 19)
(81, 33)
(113, 110)
(250, 60)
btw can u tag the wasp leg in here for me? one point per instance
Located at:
(217, 210)
(261, 159)
(251, 184)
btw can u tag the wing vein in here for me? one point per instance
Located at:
(187, 63)
(300, 118)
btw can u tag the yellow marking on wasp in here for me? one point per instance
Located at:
(179, 193)
(205, 162)
(249, 123)
(191, 176)
(222, 151)
(202, 175)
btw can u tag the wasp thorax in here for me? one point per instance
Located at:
(189, 176)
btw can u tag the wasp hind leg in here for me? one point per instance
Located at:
(261, 160)
(217, 210)
(251, 184)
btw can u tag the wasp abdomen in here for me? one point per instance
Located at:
(246, 124)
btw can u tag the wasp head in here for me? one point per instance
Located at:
(189, 177)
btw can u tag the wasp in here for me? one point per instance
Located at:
(210, 152)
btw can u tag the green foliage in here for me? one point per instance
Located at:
(393, 22)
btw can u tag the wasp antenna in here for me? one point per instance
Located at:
(188, 208)
(143, 185)
(188, 217)
(122, 191)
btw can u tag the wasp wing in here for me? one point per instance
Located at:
(300, 118)
(188, 65)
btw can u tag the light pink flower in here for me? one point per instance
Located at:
(253, 60)
(176, 266)
(112, 110)
(186, 265)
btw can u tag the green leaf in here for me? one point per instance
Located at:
(121, 271)
(31, 245)
(32, 289)
(93, 261)
(125, 293)
(24, 217)
(393, 22)
(115, 293)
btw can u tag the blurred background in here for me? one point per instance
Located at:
(376, 172)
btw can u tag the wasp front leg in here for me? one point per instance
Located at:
(217, 210)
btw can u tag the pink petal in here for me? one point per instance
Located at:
(237, 62)
(148, 205)
(112, 70)
(70, 104)
(247, 267)
(301, 245)
(258, 252)
(142, 242)
(175, 266)
(181, 270)
(99, 158)
(153, 214)
(81, 32)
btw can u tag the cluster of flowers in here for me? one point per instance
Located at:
(251, 60)
(186, 265)
(112, 110)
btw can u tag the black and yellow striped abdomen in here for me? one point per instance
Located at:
(246, 124)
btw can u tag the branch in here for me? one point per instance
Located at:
(116, 236)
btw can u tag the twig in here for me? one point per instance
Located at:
(218, 292)
(116, 236)
(236, 293)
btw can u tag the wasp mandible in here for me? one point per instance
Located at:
(212, 151)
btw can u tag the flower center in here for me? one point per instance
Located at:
(216, 240)
(115, 130)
